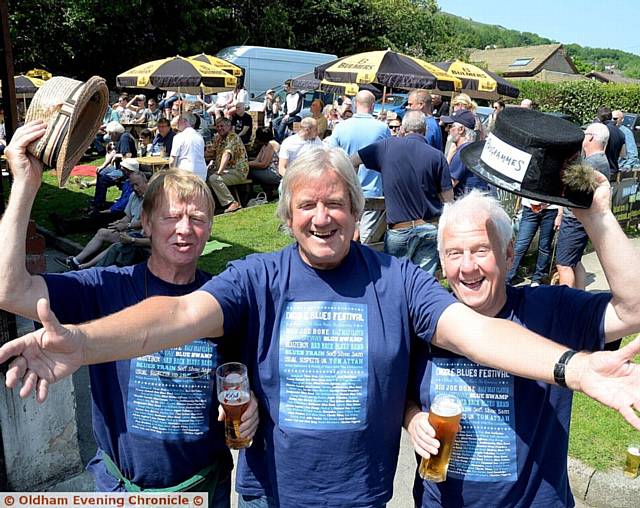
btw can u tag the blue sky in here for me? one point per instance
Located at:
(593, 23)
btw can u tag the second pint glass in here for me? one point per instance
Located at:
(233, 393)
(444, 417)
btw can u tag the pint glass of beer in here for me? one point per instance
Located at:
(233, 393)
(632, 464)
(444, 417)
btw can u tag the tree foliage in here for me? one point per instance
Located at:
(84, 37)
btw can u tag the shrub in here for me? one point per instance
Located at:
(580, 99)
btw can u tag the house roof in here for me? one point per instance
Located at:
(610, 77)
(520, 61)
(547, 76)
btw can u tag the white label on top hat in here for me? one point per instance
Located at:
(505, 159)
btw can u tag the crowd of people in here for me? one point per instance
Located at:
(344, 345)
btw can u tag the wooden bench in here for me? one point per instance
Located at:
(241, 191)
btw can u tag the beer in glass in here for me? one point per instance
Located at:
(444, 417)
(632, 465)
(233, 393)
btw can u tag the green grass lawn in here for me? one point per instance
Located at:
(247, 231)
(599, 436)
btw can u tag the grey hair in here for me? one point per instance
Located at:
(114, 127)
(472, 205)
(413, 121)
(314, 163)
(600, 133)
(188, 117)
(470, 134)
(308, 123)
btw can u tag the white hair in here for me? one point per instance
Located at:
(114, 127)
(473, 205)
(600, 133)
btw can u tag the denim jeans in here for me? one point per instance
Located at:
(529, 224)
(419, 244)
(280, 126)
(106, 178)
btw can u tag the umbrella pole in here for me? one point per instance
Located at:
(384, 96)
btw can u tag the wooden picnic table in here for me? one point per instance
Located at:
(154, 162)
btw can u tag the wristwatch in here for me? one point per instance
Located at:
(560, 366)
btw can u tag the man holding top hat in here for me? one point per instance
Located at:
(512, 449)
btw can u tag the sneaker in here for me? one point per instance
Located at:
(535, 284)
(69, 263)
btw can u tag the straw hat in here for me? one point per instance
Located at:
(73, 111)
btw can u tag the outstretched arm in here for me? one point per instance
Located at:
(47, 355)
(19, 291)
(619, 259)
(609, 377)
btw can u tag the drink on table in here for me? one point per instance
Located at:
(444, 417)
(233, 394)
(632, 465)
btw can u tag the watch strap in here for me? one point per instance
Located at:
(560, 367)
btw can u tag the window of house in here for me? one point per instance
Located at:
(520, 62)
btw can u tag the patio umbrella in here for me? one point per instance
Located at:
(220, 63)
(26, 87)
(387, 68)
(484, 83)
(309, 82)
(39, 73)
(178, 74)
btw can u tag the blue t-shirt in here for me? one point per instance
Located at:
(155, 416)
(329, 360)
(357, 132)
(512, 449)
(433, 134)
(413, 174)
(166, 141)
(466, 179)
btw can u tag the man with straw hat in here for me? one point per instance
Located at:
(156, 448)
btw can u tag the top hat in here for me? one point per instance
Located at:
(73, 111)
(528, 153)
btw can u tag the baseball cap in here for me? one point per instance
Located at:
(462, 116)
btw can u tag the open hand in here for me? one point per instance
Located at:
(43, 356)
(611, 378)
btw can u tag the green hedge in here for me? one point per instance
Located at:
(580, 99)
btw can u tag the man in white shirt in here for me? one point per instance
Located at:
(293, 146)
(292, 105)
(187, 151)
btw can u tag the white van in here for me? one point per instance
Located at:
(269, 67)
